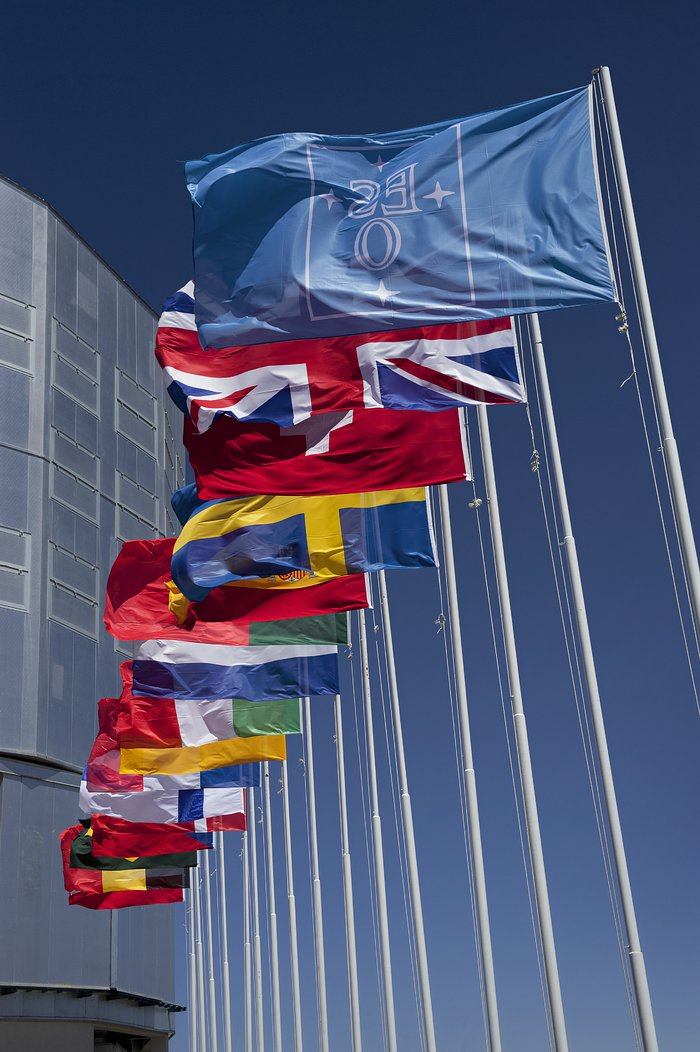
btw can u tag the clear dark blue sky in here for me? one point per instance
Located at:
(101, 104)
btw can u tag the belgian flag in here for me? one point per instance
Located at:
(104, 883)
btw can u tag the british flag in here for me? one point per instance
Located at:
(431, 368)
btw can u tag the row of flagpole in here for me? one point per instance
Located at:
(553, 986)
(201, 934)
(203, 994)
(253, 989)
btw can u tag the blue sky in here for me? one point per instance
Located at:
(102, 103)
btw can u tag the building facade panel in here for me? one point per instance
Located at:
(45, 950)
(89, 456)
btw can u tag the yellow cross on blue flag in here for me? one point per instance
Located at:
(324, 537)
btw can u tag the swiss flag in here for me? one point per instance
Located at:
(345, 452)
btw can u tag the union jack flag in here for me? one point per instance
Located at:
(432, 368)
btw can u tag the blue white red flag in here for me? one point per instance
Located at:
(142, 602)
(301, 235)
(165, 668)
(433, 368)
(203, 805)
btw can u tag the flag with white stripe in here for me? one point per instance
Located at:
(165, 668)
(431, 368)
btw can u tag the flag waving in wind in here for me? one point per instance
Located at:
(434, 368)
(327, 536)
(297, 609)
(164, 668)
(112, 883)
(301, 236)
(118, 838)
(174, 723)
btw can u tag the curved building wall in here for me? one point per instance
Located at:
(88, 458)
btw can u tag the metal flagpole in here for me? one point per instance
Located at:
(378, 848)
(539, 876)
(669, 445)
(639, 975)
(247, 970)
(274, 953)
(477, 851)
(347, 884)
(192, 977)
(228, 1046)
(213, 1028)
(199, 953)
(318, 907)
(257, 948)
(409, 835)
(292, 908)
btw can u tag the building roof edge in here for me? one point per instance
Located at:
(55, 212)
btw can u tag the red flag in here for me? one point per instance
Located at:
(138, 600)
(143, 722)
(117, 838)
(108, 889)
(365, 449)
(102, 770)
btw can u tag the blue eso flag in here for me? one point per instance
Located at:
(303, 235)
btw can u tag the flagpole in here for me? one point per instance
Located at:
(257, 949)
(669, 445)
(637, 965)
(228, 1046)
(318, 906)
(213, 1028)
(527, 782)
(292, 909)
(351, 949)
(199, 953)
(274, 952)
(247, 970)
(409, 834)
(192, 977)
(378, 848)
(477, 851)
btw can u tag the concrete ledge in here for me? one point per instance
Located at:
(92, 1010)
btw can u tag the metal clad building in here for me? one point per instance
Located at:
(88, 458)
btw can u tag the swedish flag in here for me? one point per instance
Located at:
(324, 537)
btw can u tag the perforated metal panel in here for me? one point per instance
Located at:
(14, 418)
(17, 243)
(13, 626)
(47, 937)
(14, 480)
(87, 296)
(74, 350)
(66, 278)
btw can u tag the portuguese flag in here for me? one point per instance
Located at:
(143, 603)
